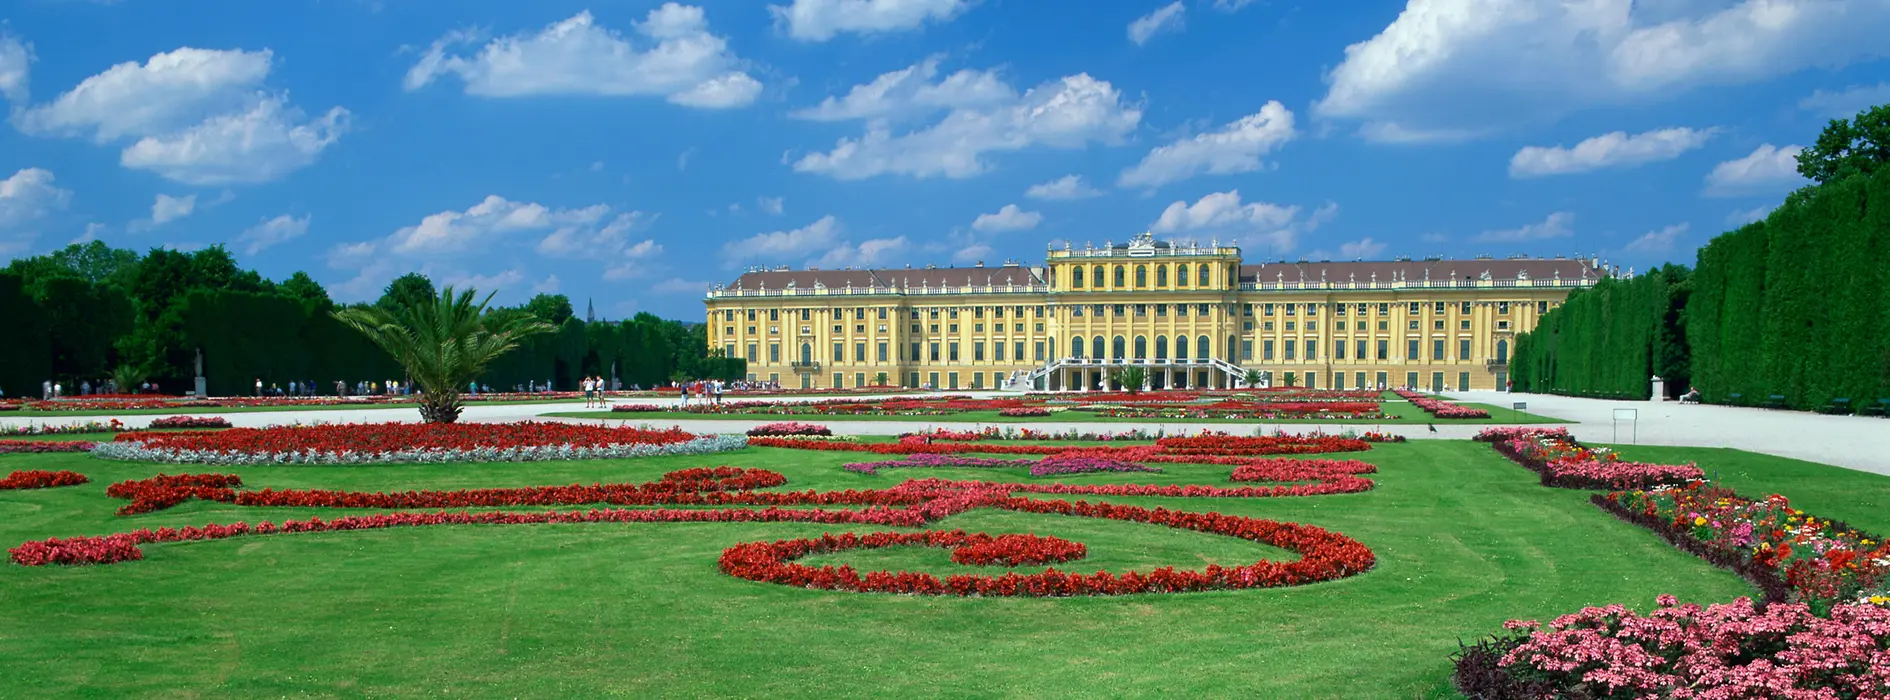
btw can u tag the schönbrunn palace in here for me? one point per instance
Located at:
(1193, 316)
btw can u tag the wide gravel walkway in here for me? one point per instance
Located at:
(1848, 441)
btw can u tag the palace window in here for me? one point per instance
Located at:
(1338, 350)
(751, 353)
(951, 351)
(1292, 309)
(1384, 309)
(1161, 347)
(997, 350)
(1437, 325)
(774, 314)
(1384, 349)
(1121, 348)
(1312, 309)
(1181, 347)
(1076, 311)
(1341, 325)
(934, 352)
(839, 352)
(1289, 325)
(882, 313)
(977, 312)
(1203, 272)
(1502, 325)
(1360, 355)
(1290, 349)
(1463, 308)
(977, 352)
(1161, 276)
(1437, 307)
(1463, 325)
(1121, 277)
(1502, 307)
(1338, 309)
(1201, 310)
(1120, 309)
(1266, 350)
(1201, 347)
(1267, 310)
(774, 353)
(1039, 313)
(1096, 348)
(1312, 348)
(1141, 347)
(859, 352)
(1181, 276)
(1416, 308)
(1384, 325)
(1141, 276)
(1542, 307)
(915, 352)
(952, 326)
(997, 312)
(1181, 309)
(859, 328)
(1039, 349)
(977, 328)
(1076, 346)
(1161, 309)
(1141, 310)
(1437, 350)
(1246, 349)
(1411, 349)
(1463, 349)
(1096, 277)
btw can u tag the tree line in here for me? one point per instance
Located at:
(1795, 305)
(88, 312)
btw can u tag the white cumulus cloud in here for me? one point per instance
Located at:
(198, 116)
(1362, 248)
(1765, 170)
(1660, 241)
(1847, 102)
(1560, 224)
(1478, 64)
(272, 232)
(1611, 150)
(1234, 148)
(1066, 188)
(26, 199)
(16, 61)
(677, 58)
(1272, 226)
(818, 243)
(913, 92)
(167, 208)
(1068, 113)
(1170, 17)
(820, 20)
(1007, 218)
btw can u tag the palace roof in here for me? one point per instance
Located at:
(894, 278)
(1437, 270)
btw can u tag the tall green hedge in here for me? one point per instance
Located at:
(1609, 340)
(1797, 305)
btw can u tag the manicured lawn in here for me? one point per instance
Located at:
(1404, 412)
(259, 409)
(1464, 539)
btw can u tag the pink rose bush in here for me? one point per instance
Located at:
(1565, 463)
(1724, 650)
(789, 430)
(1441, 409)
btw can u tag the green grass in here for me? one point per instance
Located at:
(262, 409)
(1465, 540)
(1402, 411)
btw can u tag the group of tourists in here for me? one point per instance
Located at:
(594, 388)
(50, 389)
(704, 390)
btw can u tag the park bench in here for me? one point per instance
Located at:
(1736, 399)
(1837, 406)
(1774, 401)
(1882, 409)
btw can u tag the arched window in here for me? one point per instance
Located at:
(1161, 345)
(1141, 275)
(1202, 348)
(1096, 277)
(1233, 276)
(807, 353)
(1122, 348)
(1502, 352)
(1076, 277)
(1076, 344)
(1161, 275)
(1121, 279)
(1096, 347)
(1181, 347)
(1141, 347)
(1204, 276)
(1181, 275)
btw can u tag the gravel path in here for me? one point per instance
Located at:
(1847, 441)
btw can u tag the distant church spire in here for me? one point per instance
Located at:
(590, 311)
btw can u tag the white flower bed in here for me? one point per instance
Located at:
(133, 451)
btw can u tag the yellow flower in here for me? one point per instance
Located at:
(1699, 521)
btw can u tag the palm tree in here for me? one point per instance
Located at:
(444, 344)
(1292, 380)
(1131, 378)
(879, 379)
(128, 376)
(1252, 378)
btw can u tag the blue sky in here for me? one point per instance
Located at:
(635, 152)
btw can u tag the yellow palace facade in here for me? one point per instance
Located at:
(1192, 316)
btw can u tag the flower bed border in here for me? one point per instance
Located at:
(136, 452)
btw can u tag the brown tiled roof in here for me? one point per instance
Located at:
(806, 279)
(890, 277)
(1415, 270)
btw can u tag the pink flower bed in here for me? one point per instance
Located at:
(789, 430)
(1727, 650)
(1441, 409)
(1606, 474)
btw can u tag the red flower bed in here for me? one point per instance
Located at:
(189, 422)
(44, 446)
(637, 408)
(41, 479)
(1323, 555)
(388, 437)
